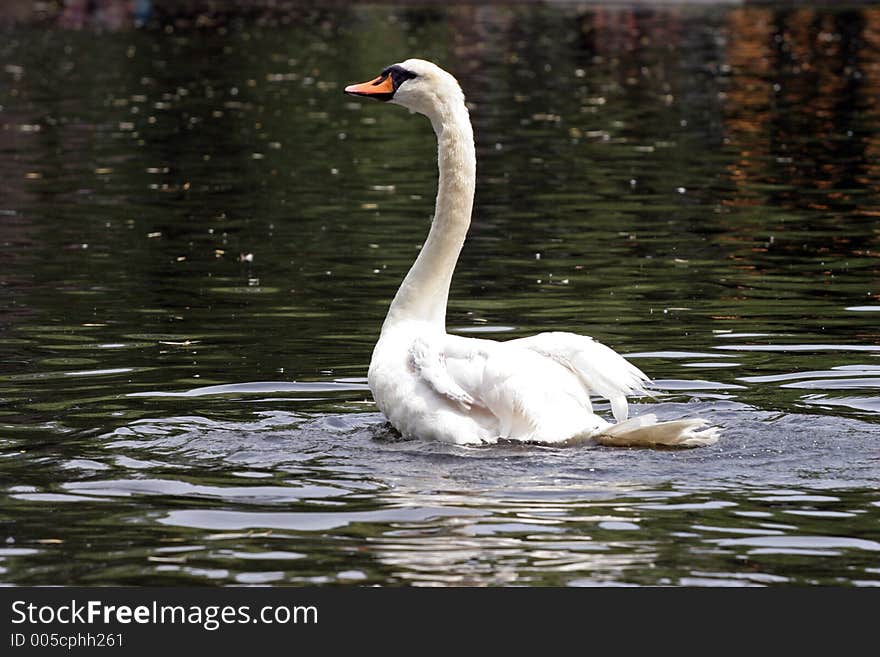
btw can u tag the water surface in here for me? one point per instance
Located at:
(200, 236)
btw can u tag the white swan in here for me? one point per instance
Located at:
(430, 384)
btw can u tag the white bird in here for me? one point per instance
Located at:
(467, 391)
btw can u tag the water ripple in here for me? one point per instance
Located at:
(259, 387)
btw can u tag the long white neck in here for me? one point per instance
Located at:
(425, 290)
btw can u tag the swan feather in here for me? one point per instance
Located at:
(601, 370)
(429, 362)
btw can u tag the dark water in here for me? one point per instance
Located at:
(200, 235)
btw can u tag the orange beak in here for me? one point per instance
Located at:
(381, 88)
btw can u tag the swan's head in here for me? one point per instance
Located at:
(416, 84)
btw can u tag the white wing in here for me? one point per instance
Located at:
(530, 396)
(534, 388)
(429, 362)
(601, 369)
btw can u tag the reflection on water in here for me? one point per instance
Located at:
(201, 235)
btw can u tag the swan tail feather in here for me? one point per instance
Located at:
(646, 431)
(620, 408)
